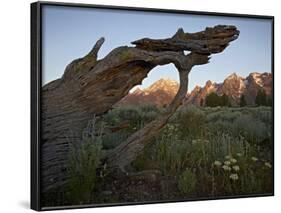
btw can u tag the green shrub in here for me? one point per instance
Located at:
(195, 138)
(252, 129)
(171, 155)
(225, 114)
(111, 140)
(191, 121)
(84, 159)
(187, 182)
(135, 116)
(263, 114)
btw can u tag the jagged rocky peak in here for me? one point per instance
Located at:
(256, 81)
(165, 84)
(197, 88)
(260, 79)
(234, 79)
(160, 93)
(209, 83)
(232, 76)
(164, 90)
(234, 86)
(210, 86)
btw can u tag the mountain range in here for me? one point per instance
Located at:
(162, 92)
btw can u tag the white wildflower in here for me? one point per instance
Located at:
(254, 159)
(233, 160)
(267, 164)
(236, 168)
(194, 141)
(227, 163)
(171, 127)
(226, 168)
(227, 157)
(239, 154)
(233, 177)
(217, 163)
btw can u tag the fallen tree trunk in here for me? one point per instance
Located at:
(91, 87)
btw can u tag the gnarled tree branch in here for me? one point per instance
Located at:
(211, 40)
(91, 87)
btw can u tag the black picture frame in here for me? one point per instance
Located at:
(36, 84)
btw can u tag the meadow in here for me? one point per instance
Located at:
(202, 152)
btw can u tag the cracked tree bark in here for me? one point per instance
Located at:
(91, 87)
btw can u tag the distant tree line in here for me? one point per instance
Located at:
(214, 100)
(243, 101)
(262, 99)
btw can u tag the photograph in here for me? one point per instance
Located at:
(147, 106)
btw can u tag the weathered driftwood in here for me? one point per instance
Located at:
(211, 40)
(91, 87)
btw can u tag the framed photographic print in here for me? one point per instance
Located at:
(140, 105)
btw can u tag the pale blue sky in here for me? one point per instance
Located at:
(70, 32)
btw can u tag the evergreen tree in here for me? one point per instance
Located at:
(202, 102)
(225, 100)
(261, 98)
(269, 101)
(212, 100)
(243, 101)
